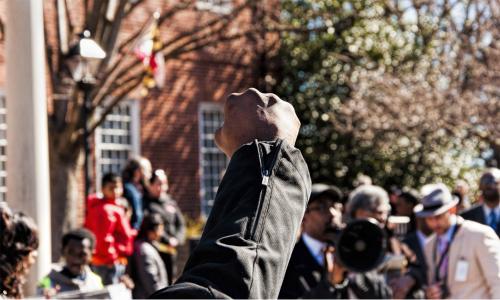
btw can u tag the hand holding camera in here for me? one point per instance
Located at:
(434, 291)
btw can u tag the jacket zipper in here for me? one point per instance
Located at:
(266, 174)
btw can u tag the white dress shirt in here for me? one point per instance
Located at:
(487, 210)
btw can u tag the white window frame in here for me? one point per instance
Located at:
(222, 7)
(134, 148)
(206, 107)
(3, 158)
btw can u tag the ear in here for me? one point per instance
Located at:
(306, 218)
(361, 214)
(453, 210)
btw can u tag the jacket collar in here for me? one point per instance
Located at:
(315, 247)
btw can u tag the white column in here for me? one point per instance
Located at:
(27, 144)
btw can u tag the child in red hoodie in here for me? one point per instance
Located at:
(107, 219)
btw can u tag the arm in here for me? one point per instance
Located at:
(180, 225)
(249, 237)
(135, 201)
(102, 227)
(250, 234)
(415, 276)
(124, 235)
(147, 270)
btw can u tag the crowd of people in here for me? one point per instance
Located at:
(137, 228)
(131, 233)
(271, 233)
(440, 256)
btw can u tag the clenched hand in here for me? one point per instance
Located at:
(254, 115)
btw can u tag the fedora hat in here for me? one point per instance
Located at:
(436, 200)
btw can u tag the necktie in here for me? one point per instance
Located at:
(443, 244)
(492, 220)
(320, 257)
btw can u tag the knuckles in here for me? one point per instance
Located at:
(266, 113)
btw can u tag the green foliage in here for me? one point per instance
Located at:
(320, 72)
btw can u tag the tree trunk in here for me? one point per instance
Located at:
(66, 198)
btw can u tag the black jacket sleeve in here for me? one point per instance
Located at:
(249, 236)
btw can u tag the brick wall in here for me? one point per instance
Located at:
(169, 118)
(169, 129)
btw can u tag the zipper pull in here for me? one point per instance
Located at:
(265, 177)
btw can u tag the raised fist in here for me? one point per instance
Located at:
(254, 115)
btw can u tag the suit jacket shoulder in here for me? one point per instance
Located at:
(302, 256)
(303, 273)
(475, 213)
(412, 241)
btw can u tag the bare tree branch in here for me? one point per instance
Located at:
(109, 39)
(132, 6)
(132, 84)
(94, 15)
(165, 16)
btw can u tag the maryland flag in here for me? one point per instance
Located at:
(148, 51)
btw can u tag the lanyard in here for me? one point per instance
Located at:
(445, 253)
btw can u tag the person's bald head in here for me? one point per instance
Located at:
(489, 184)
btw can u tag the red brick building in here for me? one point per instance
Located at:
(174, 126)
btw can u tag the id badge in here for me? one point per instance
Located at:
(462, 270)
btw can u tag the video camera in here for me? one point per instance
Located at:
(360, 246)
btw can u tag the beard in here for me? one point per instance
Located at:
(491, 196)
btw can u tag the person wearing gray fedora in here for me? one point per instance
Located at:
(463, 257)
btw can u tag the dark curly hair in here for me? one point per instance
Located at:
(79, 234)
(149, 223)
(18, 238)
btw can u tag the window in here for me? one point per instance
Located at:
(213, 162)
(116, 140)
(3, 148)
(216, 6)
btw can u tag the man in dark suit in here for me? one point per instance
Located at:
(308, 275)
(417, 265)
(487, 213)
(306, 266)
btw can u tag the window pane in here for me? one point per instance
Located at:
(115, 141)
(213, 161)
